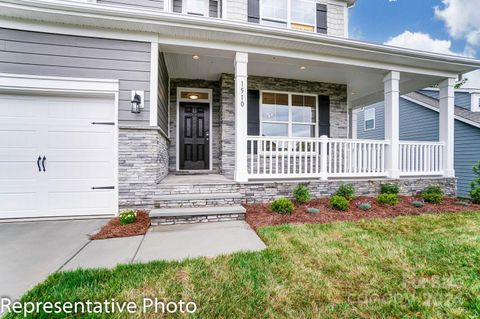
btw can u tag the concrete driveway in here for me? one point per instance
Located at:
(30, 251)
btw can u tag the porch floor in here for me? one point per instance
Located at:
(173, 179)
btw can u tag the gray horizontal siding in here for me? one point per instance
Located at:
(177, 6)
(213, 8)
(163, 80)
(467, 154)
(379, 132)
(35, 53)
(462, 99)
(418, 123)
(144, 4)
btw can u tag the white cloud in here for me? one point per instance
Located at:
(422, 41)
(461, 19)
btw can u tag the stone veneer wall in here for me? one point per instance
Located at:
(263, 192)
(143, 163)
(215, 135)
(338, 109)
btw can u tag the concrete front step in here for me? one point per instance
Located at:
(170, 216)
(197, 200)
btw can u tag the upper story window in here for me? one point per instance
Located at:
(306, 15)
(196, 7)
(369, 119)
(203, 8)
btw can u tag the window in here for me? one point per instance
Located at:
(288, 115)
(303, 14)
(196, 7)
(296, 14)
(369, 118)
(274, 12)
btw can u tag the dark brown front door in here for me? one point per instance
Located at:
(194, 135)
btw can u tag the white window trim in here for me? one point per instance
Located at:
(290, 123)
(177, 129)
(365, 119)
(289, 20)
(205, 12)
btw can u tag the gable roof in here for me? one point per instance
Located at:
(462, 114)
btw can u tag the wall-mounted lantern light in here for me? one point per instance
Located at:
(137, 98)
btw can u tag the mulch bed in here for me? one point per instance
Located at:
(116, 230)
(259, 215)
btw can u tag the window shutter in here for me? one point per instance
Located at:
(254, 11)
(253, 113)
(321, 18)
(324, 115)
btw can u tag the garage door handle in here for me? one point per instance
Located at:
(43, 163)
(104, 187)
(38, 163)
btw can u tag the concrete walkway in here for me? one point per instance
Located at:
(30, 251)
(169, 243)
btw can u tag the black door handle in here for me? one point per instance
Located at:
(38, 163)
(43, 162)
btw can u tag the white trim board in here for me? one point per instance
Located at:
(177, 126)
(461, 119)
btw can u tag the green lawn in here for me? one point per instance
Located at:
(419, 266)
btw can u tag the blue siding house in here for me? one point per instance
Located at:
(419, 122)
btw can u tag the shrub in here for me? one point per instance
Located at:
(433, 194)
(365, 206)
(339, 202)
(127, 217)
(475, 185)
(302, 193)
(313, 210)
(282, 206)
(347, 191)
(390, 188)
(417, 203)
(388, 199)
(475, 195)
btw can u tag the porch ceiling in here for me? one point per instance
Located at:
(365, 85)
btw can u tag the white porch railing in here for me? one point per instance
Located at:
(275, 158)
(270, 157)
(421, 158)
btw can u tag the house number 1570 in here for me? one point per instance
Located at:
(242, 94)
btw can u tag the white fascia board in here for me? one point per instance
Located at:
(461, 119)
(151, 21)
(19, 82)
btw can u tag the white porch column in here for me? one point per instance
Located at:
(447, 124)
(241, 156)
(392, 122)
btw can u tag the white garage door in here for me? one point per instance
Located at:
(57, 156)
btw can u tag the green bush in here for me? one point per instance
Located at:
(417, 203)
(388, 199)
(127, 217)
(347, 191)
(365, 206)
(301, 193)
(475, 185)
(313, 210)
(339, 202)
(433, 194)
(282, 205)
(390, 188)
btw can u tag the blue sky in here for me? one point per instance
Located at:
(380, 20)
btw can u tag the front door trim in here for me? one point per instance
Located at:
(177, 133)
